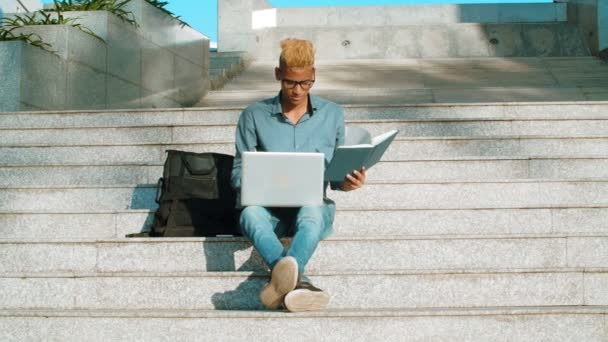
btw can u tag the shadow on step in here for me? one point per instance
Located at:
(222, 254)
(225, 256)
(244, 297)
(143, 197)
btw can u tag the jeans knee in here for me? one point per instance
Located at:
(311, 226)
(252, 213)
(252, 216)
(311, 216)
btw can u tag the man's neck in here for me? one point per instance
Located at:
(295, 113)
(288, 107)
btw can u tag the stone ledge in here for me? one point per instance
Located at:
(421, 312)
(489, 324)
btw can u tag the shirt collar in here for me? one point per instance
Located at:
(277, 108)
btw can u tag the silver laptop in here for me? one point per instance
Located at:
(282, 179)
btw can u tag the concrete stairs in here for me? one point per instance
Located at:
(484, 221)
(223, 66)
(433, 80)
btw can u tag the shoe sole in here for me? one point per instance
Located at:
(284, 279)
(306, 300)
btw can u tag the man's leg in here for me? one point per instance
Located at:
(259, 225)
(312, 225)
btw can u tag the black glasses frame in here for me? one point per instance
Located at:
(305, 84)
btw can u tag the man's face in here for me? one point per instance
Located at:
(295, 94)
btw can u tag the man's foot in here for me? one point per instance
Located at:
(284, 278)
(306, 297)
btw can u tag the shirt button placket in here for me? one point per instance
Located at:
(295, 138)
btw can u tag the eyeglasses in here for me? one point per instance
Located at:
(290, 84)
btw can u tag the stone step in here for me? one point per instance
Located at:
(348, 290)
(353, 74)
(226, 133)
(402, 149)
(580, 91)
(373, 196)
(428, 171)
(348, 223)
(443, 80)
(225, 62)
(224, 67)
(585, 323)
(228, 115)
(339, 254)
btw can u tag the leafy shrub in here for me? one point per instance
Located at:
(43, 18)
(7, 35)
(115, 7)
(161, 6)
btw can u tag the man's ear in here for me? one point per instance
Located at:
(277, 74)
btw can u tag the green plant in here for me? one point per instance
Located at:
(115, 7)
(161, 6)
(44, 18)
(7, 35)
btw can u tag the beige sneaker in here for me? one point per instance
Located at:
(306, 297)
(284, 278)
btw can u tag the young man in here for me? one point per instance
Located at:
(293, 121)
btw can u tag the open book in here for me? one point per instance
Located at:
(365, 152)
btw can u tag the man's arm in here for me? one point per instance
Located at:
(245, 140)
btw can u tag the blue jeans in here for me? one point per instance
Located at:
(308, 225)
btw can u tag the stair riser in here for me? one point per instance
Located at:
(417, 93)
(400, 150)
(331, 255)
(496, 328)
(499, 328)
(370, 197)
(230, 115)
(220, 134)
(382, 172)
(347, 291)
(347, 223)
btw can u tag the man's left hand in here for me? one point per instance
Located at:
(353, 181)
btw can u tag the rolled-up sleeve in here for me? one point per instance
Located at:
(245, 140)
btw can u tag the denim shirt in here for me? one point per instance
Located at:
(263, 127)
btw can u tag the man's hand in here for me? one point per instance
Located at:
(353, 181)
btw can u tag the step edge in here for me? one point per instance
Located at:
(419, 312)
(336, 238)
(334, 273)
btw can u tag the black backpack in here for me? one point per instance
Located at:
(195, 197)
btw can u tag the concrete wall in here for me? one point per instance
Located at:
(235, 24)
(157, 65)
(591, 16)
(431, 41)
(402, 31)
(24, 69)
(13, 6)
(398, 15)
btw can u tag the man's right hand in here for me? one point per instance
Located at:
(354, 181)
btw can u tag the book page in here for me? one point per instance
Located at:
(381, 143)
(357, 136)
(377, 140)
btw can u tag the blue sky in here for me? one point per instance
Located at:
(202, 14)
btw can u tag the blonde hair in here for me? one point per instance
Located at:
(296, 53)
